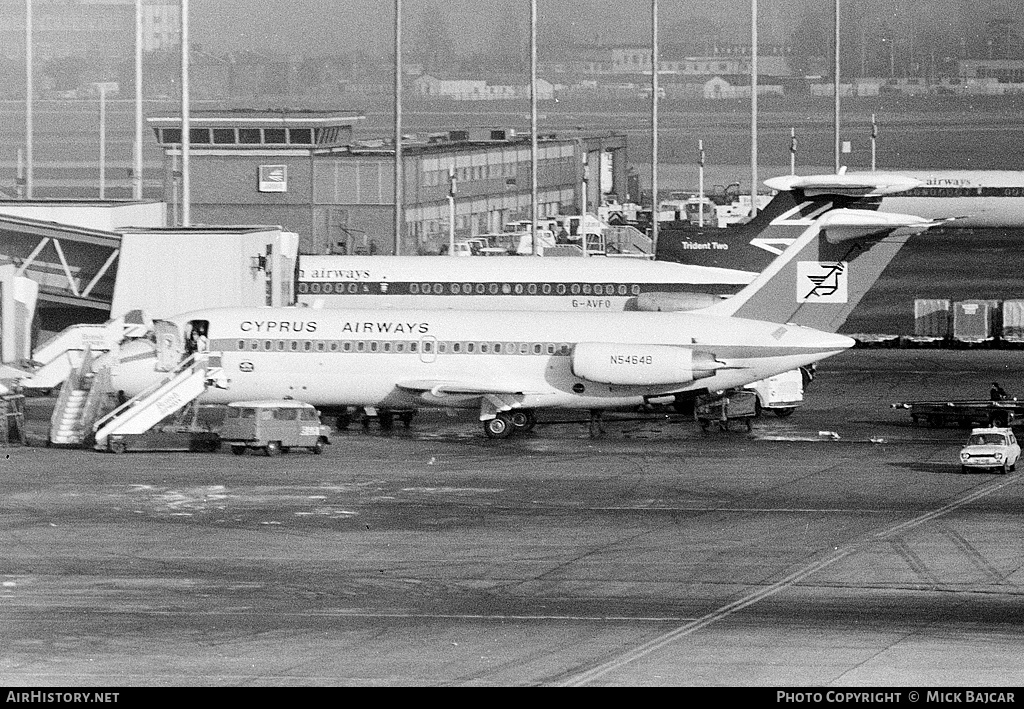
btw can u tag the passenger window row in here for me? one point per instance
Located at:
(401, 346)
(323, 288)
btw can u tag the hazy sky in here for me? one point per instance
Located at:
(340, 26)
(280, 25)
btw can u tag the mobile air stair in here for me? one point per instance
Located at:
(81, 398)
(55, 360)
(628, 241)
(179, 388)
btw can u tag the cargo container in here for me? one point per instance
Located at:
(1013, 320)
(976, 320)
(932, 317)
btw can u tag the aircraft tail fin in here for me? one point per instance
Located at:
(752, 245)
(822, 276)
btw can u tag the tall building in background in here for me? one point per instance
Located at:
(98, 31)
(161, 25)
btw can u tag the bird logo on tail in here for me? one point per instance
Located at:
(827, 281)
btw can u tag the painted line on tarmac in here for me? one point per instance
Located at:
(247, 612)
(596, 673)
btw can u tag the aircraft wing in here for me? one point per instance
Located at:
(495, 397)
(847, 224)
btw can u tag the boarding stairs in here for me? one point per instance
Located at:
(628, 241)
(82, 396)
(55, 360)
(180, 387)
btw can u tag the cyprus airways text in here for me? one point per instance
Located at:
(267, 327)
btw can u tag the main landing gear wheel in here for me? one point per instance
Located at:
(500, 426)
(523, 419)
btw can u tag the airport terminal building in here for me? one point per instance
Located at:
(303, 170)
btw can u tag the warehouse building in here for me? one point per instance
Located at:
(305, 171)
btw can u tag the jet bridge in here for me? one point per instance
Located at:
(74, 266)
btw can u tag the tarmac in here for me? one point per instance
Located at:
(839, 547)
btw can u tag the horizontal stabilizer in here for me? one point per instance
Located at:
(847, 224)
(873, 184)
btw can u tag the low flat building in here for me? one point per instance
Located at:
(303, 170)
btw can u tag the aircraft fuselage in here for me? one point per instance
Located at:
(399, 359)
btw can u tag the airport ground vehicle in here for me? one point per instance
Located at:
(272, 425)
(783, 393)
(164, 439)
(735, 405)
(963, 413)
(990, 448)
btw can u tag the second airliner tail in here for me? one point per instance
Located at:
(824, 274)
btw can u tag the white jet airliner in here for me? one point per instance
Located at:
(950, 199)
(507, 365)
(509, 282)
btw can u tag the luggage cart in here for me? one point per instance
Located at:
(720, 409)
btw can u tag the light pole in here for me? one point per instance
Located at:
(835, 79)
(700, 183)
(452, 187)
(399, 173)
(28, 99)
(533, 124)
(103, 139)
(137, 173)
(753, 108)
(654, 126)
(186, 127)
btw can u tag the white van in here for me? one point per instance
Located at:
(781, 394)
(273, 426)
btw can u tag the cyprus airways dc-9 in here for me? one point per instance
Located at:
(501, 363)
(508, 364)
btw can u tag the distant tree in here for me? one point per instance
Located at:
(1001, 38)
(811, 38)
(509, 44)
(430, 42)
(693, 35)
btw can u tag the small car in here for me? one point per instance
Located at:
(273, 425)
(990, 448)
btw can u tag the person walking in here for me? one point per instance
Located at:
(997, 393)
